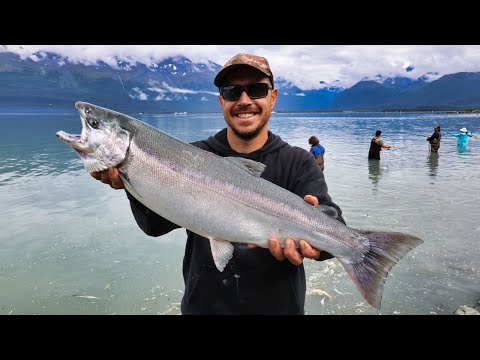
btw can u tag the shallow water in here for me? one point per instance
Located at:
(70, 245)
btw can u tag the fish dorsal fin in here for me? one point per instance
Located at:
(222, 252)
(253, 167)
(328, 210)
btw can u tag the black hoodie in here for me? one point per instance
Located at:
(253, 282)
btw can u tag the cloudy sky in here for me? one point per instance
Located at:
(304, 65)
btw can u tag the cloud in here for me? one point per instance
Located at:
(165, 88)
(138, 94)
(185, 91)
(305, 66)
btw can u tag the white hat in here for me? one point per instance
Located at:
(463, 129)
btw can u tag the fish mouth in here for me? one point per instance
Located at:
(67, 138)
(76, 143)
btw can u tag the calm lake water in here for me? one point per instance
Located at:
(70, 245)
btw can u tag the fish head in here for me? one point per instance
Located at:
(104, 140)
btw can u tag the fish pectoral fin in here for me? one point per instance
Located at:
(251, 166)
(328, 210)
(128, 186)
(222, 252)
(123, 175)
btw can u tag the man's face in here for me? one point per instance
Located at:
(247, 117)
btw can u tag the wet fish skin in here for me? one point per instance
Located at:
(210, 195)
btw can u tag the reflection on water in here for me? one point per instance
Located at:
(374, 171)
(70, 245)
(432, 162)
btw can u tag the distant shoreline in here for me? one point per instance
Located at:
(68, 111)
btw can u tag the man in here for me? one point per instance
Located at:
(255, 280)
(434, 139)
(376, 145)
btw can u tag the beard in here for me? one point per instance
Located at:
(248, 135)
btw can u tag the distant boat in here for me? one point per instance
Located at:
(180, 113)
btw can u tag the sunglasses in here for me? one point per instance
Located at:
(254, 91)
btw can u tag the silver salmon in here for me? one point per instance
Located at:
(225, 200)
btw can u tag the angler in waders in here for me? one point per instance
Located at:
(376, 145)
(434, 139)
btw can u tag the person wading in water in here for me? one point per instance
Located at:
(318, 151)
(434, 140)
(376, 145)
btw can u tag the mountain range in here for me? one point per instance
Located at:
(178, 85)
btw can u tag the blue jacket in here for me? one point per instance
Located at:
(253, 282)
(317, 149)
(462, 137)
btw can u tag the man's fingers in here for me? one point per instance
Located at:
(275, 249)
(309, 251)
(112, 172)
(116, 181)
(104, 177)
(110, 177)
(312, 200)
(291, 252)
(117, 184)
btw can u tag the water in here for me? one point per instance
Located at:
(70, 245)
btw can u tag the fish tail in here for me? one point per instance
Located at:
(386, 249)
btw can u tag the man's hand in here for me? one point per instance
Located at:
(290, 251)
(110, 177)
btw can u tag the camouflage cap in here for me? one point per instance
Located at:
(255, 61)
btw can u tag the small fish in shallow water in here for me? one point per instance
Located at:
(87, 297)
(320, 292)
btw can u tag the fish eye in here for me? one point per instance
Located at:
(94, 123)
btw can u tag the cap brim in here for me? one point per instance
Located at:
(219, 79)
